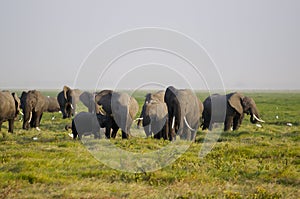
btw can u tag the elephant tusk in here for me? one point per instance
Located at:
(260, 120)
(30, 117)
(173, 122)
(21, 112)
(137, 119)
(72, 106)
(37, 128)
(187, 124)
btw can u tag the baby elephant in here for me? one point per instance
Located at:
(84, 123)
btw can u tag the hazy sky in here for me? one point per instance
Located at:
(255, 44)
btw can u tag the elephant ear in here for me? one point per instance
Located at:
(67, 91)
(235, 101)
(17, 102)
(40, 102)
(133, 107)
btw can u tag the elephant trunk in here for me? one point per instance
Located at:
(27, 117)
(254, 116)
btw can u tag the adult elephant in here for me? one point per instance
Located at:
(67, 99)
(9, 109)
(154, 115)
(51, 104)
(33, 104)
(235, 106)
(116, 110)
(184, 112)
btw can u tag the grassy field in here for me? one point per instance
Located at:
(252, 162)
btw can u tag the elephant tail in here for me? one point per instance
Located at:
(68, 126)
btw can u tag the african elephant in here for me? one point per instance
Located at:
(154, 115)
(33, 104)
(9, 109)
(51, 104)
(116, 110)
(67, 99)
(84, 123)
(184, 112)
(235, 106)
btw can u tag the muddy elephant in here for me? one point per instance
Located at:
(184, 113)
(154, 115)
(33, 104)
(9, 109)
(84, 123)
(235, 106)
(67, 99)
(115, 110)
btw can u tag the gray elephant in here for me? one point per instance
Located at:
(33, 104)
(51, 104)
(84, 123)
(154, 115)
(9, 109)
(235, 105)
(67, 99)
(184, 112)
(115, 110)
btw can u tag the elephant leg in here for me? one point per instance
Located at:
(11, 125)
(107, 131)
(124, 135)
(165, 131)
(39, 119)
(228, 123)
(115, 129)
(188, 134)
(193, 135)
(74, 130)
(0, 125)
(206, 121)
(237, 121)
(157, 135)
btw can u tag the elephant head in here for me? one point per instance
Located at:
(154, 114)
(67, 100)
(243, 104)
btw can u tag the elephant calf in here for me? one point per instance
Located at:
(9, 109)
(84, 123)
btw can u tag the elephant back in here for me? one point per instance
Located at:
(7, 106)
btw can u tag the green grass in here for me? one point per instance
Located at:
(249, 163)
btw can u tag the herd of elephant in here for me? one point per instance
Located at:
(165, 114)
